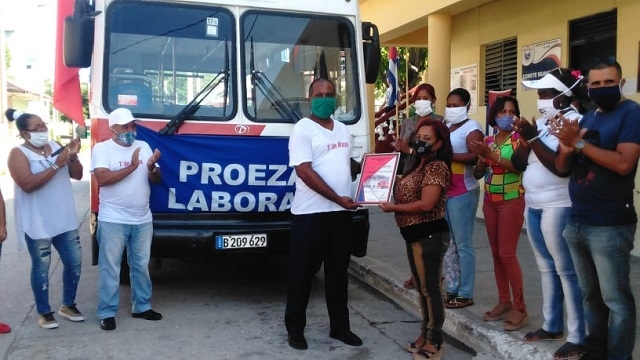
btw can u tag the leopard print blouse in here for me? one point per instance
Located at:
(409, 188)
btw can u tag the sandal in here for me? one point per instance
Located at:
(448, 297)
(543, 335)
(413, 347)
(515, 320)
(458, 302)
(497, 312)
(426, 354)
(569, 351)
(409, 284)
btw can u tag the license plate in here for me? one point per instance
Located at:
(241, 241)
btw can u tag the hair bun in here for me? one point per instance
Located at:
(13, 114)
(17, 114)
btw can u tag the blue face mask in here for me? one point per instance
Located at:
(127, 138)
(505, 122)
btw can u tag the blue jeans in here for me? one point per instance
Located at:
(113, 238)
(602, 255)
(557, 273)
(461, 216)
(68, 246)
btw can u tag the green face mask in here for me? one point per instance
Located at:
(323, 107)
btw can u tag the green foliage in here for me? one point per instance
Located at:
(7, 57)
(417, 58)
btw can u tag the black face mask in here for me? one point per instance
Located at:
(605, 97)
(422, 148)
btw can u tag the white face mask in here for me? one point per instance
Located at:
(546, 108)
(38, 139)
(423, 107)
(455, 115)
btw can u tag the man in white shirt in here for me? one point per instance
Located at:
(123, 167)
(320, 152)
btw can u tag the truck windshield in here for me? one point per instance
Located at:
(159, 56)
(283, 53)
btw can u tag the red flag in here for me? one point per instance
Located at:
(67, 97)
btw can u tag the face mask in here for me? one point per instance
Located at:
(423, 107)
(545, 106)
(455, 115)
(505, 122)
(127, 138)
(422, 148)
(606, 97)
(38, 139)
(323, 107)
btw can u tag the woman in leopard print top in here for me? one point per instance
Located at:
(419, 207)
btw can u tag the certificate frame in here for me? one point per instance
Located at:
(377, 177)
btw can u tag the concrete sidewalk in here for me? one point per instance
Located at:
(385, 268)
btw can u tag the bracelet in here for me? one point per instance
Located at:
(74, 159)
(533, 139)
(155, 169)
(54, 166)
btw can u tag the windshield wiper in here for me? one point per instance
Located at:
(193, 105)
(260, 81)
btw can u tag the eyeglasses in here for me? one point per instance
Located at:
(38, 128)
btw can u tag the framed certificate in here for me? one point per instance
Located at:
(377, 177)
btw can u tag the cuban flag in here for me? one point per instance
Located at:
(392, 75)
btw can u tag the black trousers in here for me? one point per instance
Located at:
(316, 238)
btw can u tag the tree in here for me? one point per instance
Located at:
(417, 61)
(7, 57)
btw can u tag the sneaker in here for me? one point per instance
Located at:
(108, 324)
(148, 315)
(71, 312)
(4, 328)
(47, 321)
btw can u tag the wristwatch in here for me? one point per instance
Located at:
(579, 145)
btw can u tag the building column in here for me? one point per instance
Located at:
(439, 70)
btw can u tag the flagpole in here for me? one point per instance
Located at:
(397, 129)
(406, 82)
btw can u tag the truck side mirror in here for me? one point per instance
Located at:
(78, 33)
(371, 47)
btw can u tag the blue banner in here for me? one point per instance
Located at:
(215, 173)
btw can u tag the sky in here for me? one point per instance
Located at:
(31, 42)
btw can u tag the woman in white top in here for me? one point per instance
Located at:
(547, 208)
(462, 201)
(45, 211)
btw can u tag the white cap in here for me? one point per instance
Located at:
(121, 116)
(548, 82)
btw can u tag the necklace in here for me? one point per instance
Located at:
(42, 152)
(495, 147)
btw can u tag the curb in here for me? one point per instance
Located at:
(462, 325)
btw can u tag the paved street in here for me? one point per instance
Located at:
(212, 310)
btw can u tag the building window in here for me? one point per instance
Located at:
(501, 67)
(592, 37)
